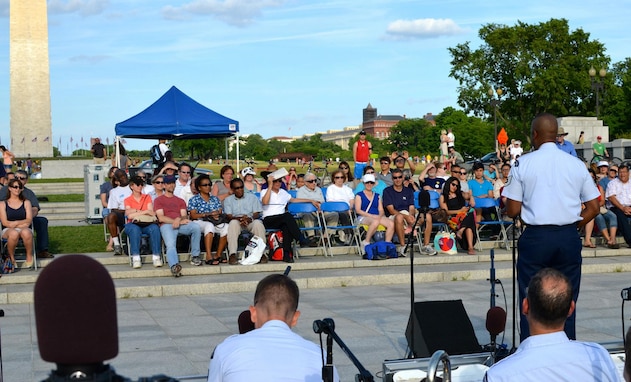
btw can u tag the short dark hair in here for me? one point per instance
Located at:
(184, 164)
(385, 159)
(396, 171)
(201, 177)
(549, 306)
(137, 180)
(234, 182)
(478, 165)
(277, 293)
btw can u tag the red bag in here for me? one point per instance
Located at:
(275, 244)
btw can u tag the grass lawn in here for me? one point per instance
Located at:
(82, 239)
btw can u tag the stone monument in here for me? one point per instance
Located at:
(31, 126)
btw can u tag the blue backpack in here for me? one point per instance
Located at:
(381, 250)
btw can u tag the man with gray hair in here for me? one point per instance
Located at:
(311, 191)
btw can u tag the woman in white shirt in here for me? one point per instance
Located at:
(339, 192)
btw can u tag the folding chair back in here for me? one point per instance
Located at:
(342, 208)
(298, 210)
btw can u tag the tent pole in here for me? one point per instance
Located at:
(238, 154)
(116, 150)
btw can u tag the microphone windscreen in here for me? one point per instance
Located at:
(495, 320)
(245, 322)
(75, 312)
(424, 199)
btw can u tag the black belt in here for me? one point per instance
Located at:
(557, 226)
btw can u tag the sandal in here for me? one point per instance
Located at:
(212, 262)
(590, 245)
(223, 261)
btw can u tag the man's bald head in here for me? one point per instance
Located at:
(544, 129)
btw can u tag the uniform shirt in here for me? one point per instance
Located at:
(245, 206)
(480, 188)
(277, 202)
(271, 353)
(553, 357)
(117, 197)
(339, 194)
(551, 186)
(567, 147)
(622, 191)
(401, 201)
(305, 192)
(202, 206)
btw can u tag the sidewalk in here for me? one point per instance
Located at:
(176, 335)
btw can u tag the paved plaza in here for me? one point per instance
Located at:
(176, 335)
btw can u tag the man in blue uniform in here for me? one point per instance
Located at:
(547, 187)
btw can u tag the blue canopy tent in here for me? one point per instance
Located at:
(177, 116)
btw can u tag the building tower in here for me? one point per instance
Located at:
(29, 71)
(369, 113)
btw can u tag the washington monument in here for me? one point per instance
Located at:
(31, 126)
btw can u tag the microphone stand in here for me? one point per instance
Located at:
(512, 350)
(327, 326)
(492, 278)
(327, 369)
(422, 212)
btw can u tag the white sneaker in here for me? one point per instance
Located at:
(428, 250)
(157, 262)
(137, 264)
(364, 244)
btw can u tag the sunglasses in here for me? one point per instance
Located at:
(207, 185)
(463, 173)
(370, 172)
(310, 181)
(397, 177)
(21, 177)
(236, 188)
(185, 172)
(340, 177)
(454, 184)
(343, 168)
(277, 180)
(369, 182)
(387, 163)
(16, 187)
(158, 182)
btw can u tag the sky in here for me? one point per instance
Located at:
(279, 67)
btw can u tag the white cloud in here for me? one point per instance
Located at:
(233, 12)
(82, 7)
(422, 28)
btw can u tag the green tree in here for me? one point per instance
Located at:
(474, 136)
(415, 135)
(540, 68)
(199, 149)
(617, 97)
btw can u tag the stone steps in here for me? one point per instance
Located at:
(57, 188)
(309, 271)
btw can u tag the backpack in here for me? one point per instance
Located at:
(156, 154)
(253, 251)
(381, 250)
(275, 244)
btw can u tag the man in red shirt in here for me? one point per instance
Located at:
(361, 154)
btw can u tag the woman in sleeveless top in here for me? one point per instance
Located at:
(369, 209)
(503, 154)
(16, 217)
(453, 201)
(222, 189)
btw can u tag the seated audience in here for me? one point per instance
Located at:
(338, 191)
(481, 188)
(206, 210)
(221, 189)
(548, 354)
(138, 204)
(453, 201)
(384, 171)
(348, 174)
(116, 205)
(174, 221)
(274, 200)
(185, 172)
(16, 216)
(369, 209)
(104, 195)
(398, 202)
(249, 181)
(379, 186)
(606, 221)
(428, 179)
(274, 312)
(314, 193)
(243, 211)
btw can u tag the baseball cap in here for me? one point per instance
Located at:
(368, 178)
(363, 132)
(603, 163)
(247, 171)
(169, 179)
(599, 137)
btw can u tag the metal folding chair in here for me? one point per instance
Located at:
(342, 207)
(494, 205)
(299, 210)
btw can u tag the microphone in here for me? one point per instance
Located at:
(424, 200)
(495, 321)
(75, 312)
(245, 322)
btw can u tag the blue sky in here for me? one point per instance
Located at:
(279, 67)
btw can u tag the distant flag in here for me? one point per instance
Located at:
(34, 140)
(85, 144)
(71, 139)
(81, 139)
(22, 140)
(124, 141)
(107, 140)
(76, 145)
(46, 139)
(60, 142)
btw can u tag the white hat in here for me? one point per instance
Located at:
(603, 163)
(247, 171)
(368, 178)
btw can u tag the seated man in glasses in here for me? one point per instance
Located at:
(311, 191)
(243, 211)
